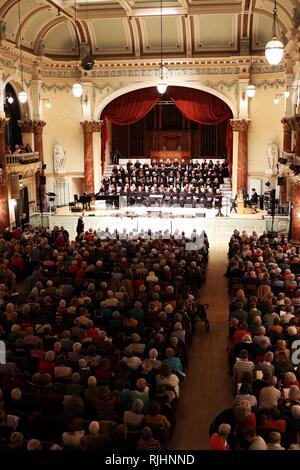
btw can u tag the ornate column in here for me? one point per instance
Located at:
(287, 134)
(295, 218)
(4, 208)
(287, 144)
(26, 126)
(38, 127)
(241, 126)
(296, 128)
(88, 128)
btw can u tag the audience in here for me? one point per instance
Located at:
(264, 329)
(97, 341)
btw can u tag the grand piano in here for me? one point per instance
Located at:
(86, 200)
(112, 199)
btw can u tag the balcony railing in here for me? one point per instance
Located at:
(22, 158)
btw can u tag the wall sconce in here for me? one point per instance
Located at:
(48, 102)
(9, 99)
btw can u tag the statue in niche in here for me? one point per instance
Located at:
(59, 156)
(272, 156)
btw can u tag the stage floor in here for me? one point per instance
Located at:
(162, 218)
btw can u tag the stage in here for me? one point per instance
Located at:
(162, 218)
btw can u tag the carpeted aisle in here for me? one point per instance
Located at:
(207, 388)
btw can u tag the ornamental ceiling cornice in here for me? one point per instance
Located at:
(10, 58)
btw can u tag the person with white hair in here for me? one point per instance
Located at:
(75, 355)
(34, 444)
(269, 396)
(218, 440)
(16, 441)
(94, 428)
(134, 418)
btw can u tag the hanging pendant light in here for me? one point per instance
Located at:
(250, 90)
(274, 48)
(22, 95)
(77, 87)
(161, 84)
(77, 90)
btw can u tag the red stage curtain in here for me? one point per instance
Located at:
(202, 107)
(126, 110)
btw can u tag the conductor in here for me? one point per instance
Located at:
(80, 226)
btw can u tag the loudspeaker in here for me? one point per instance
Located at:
(261, 202)
(272, 201)
(280, 181)
(42, 180)
(76, 209)
(200, 214)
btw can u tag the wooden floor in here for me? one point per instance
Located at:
(207, 388)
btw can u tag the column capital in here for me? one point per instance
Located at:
(287, 124)
(3, 122)
(239, 125)
(38, 126)
(295, 123)
(91, 126)
(26, 126)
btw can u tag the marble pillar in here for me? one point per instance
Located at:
(241, 126)
(287, 144)
(88, 128)
(296, 128)
(4, 208)
(287, 134)
(26, 126)
(295, 219)
(38, 127)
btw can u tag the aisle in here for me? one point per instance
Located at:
(206, 390)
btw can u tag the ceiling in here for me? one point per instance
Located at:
(130, 29)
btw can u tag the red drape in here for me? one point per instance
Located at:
(202, 107)
(196, 105)
(126, 110)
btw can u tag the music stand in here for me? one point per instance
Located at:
(52, 197)
(233, 205)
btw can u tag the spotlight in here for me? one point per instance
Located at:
(87, 62)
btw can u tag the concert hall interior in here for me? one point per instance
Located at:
(136, 138)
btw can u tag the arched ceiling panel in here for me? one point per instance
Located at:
(223, 35)
(34, 24)
(172, 38)
(12, 18)
(60, 38)
(111, 36)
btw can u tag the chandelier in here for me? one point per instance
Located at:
(274, 48)
(161, 84)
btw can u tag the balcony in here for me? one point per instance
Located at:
(26, 164)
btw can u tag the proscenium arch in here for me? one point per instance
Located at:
(137, 86)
